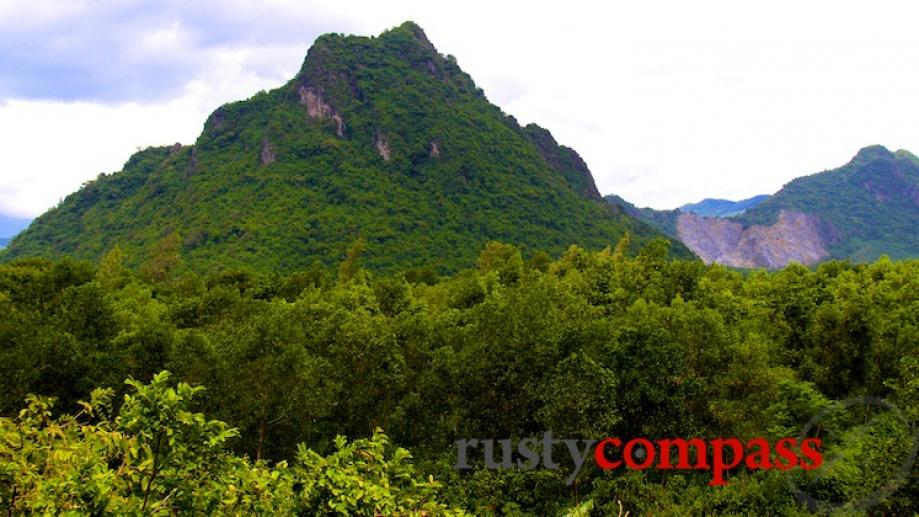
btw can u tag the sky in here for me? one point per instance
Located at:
(668, 102)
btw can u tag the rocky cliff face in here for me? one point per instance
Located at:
(795, 237)
(867, 208)
(860, 211)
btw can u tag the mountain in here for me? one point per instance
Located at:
(722, 207)
(663, 220)
(860, 211)
(3, 243)
(379, 139)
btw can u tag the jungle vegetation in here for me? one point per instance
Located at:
(303, 392)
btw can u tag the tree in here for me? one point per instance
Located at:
(156, 456)
(164, 257)
(349, 267)
(503, 259)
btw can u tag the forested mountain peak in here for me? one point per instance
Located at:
(381, 140)
(872, 152)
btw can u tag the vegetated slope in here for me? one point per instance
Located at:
(381, 139)
(865, 209)
(663, 220)
(722, 207)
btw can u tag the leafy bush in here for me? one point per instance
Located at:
(155, 456)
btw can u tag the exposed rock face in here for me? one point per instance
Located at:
(795, 237)
(267, 154)
(382, 147)
(860, 211)
(217, 120)
(711, 238)
(435, 151)
(317, 108)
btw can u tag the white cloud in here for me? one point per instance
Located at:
(56, 146)
(52, 147)
(668, 102)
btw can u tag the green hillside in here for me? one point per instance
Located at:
(868, 208)
(381, 140)
(663, 220)
(861, 211)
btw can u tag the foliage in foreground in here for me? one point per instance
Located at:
(156, 456)
(587, 345)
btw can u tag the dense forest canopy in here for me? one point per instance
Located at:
(281, 386)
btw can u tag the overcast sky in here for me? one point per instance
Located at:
(668, 102)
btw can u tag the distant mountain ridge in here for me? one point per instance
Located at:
(722, 207)
(377, 139)
(860, 211)
(666, 220)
